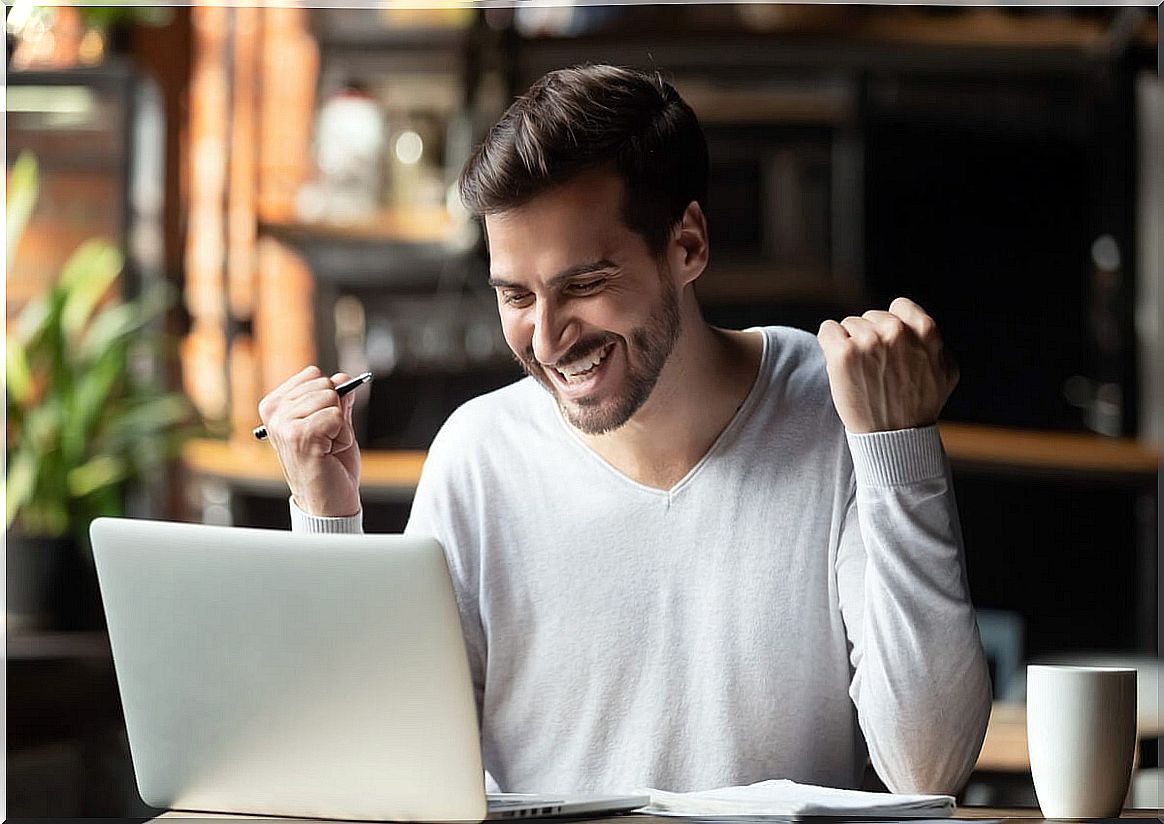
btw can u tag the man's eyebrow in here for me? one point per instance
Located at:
(565, 274)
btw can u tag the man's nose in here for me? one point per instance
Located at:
(555, 331)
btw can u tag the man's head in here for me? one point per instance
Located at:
(590, 186)
(587, 117)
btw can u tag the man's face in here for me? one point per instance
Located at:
(588, 311)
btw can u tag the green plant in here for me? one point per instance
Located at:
(81, 421)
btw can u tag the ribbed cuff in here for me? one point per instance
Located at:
(902, 456)
(302, 522)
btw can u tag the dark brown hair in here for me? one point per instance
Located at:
(586, 117)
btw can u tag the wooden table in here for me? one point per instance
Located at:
(1005, 750)
(961, 814)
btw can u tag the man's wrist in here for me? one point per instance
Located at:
(305, 522)
(899, 456)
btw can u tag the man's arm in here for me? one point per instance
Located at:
(310, 427)
(920, 683)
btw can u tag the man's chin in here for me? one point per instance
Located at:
(593, 417)
(589, 415)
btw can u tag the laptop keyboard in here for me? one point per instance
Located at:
(503, 802)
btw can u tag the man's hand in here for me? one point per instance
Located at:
(310, 426)
(887, 370)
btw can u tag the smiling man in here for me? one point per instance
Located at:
(684, 556)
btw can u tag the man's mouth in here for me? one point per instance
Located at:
(580, 370)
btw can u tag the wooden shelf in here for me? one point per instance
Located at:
(390, 471)
(254, 463)
(407, 38)
(732, 282)
(1005, 747)
(1027, 449)
(985, 27)
(387, 226)
(899, 26)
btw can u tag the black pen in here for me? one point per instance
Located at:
(344, 388)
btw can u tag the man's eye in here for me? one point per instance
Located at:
(587, 287)
(515, 298)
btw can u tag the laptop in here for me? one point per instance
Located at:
(273, 673)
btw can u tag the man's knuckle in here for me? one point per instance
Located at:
(848, 353)
(893, 333)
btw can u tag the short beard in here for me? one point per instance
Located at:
(653, 342)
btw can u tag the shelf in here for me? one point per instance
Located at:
(405, 226)
(812, 104)
(968, 27)
(732, 282)
(983, 40)
(1005, 747)
(394, 472)
(987, 27)
(1026, 449)
(383, 38)
(399, 249)
(255, 465)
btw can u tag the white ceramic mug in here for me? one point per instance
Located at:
(1081, 735)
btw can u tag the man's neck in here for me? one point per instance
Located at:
(702, 386)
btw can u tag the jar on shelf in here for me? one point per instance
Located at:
(349, 148)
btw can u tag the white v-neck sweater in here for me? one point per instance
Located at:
(797, 600)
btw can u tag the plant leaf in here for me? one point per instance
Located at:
(37, 317)
(17, 372)
(92, 393)
(23, 188)
(18, 483)
(86, 278)
(122, 320)
(42, 426)
(159, 418)
(97, 473)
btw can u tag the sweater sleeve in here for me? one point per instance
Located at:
(302, 522)
(920, 683)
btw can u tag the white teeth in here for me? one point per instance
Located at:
(573, 370)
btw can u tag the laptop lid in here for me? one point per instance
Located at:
(278, 673)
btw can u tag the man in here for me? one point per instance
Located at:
(685, 557)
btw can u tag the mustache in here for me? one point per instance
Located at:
(579, 350)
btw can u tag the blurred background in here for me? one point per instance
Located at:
(201, 201)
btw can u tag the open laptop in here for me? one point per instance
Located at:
(273, 673)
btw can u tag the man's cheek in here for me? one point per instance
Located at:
(520, 345)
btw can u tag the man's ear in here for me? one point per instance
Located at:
(689, 250)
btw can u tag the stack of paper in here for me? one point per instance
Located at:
(787, 798)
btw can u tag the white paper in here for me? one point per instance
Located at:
(787, 798)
